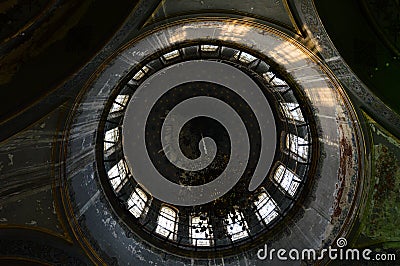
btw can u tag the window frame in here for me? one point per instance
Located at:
(161, 229)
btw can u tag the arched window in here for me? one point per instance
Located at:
(117, 175)
(140, 74)
(137, 202)
(200, 231)
(236, 226)
(297, 145)
(119, 103)
(293, 111)
(244, 57)
(110, 138)
(287, 179)
(167, 222)
(274, 80)
(171, 55)
(208, 48)
(267, 209)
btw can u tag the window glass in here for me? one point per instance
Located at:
(297, 145)
(245, 57)
(137, 202)
(171, 55)
(236, 226)
(141, 73)
(120, 103)
(267, 208)
(287, 179)
(167, 223)
(208, 48)
(110, 138)
(200, 231)
(117, 175)
(293, 111)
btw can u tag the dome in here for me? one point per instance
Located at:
(211, 147)
(199, 132)
(206, 146)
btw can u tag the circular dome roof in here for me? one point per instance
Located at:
(248, 114)
(206, 146)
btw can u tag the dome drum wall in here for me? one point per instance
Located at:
(223, 71)
(323, 212)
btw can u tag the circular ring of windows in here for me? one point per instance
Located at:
(247, 212)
